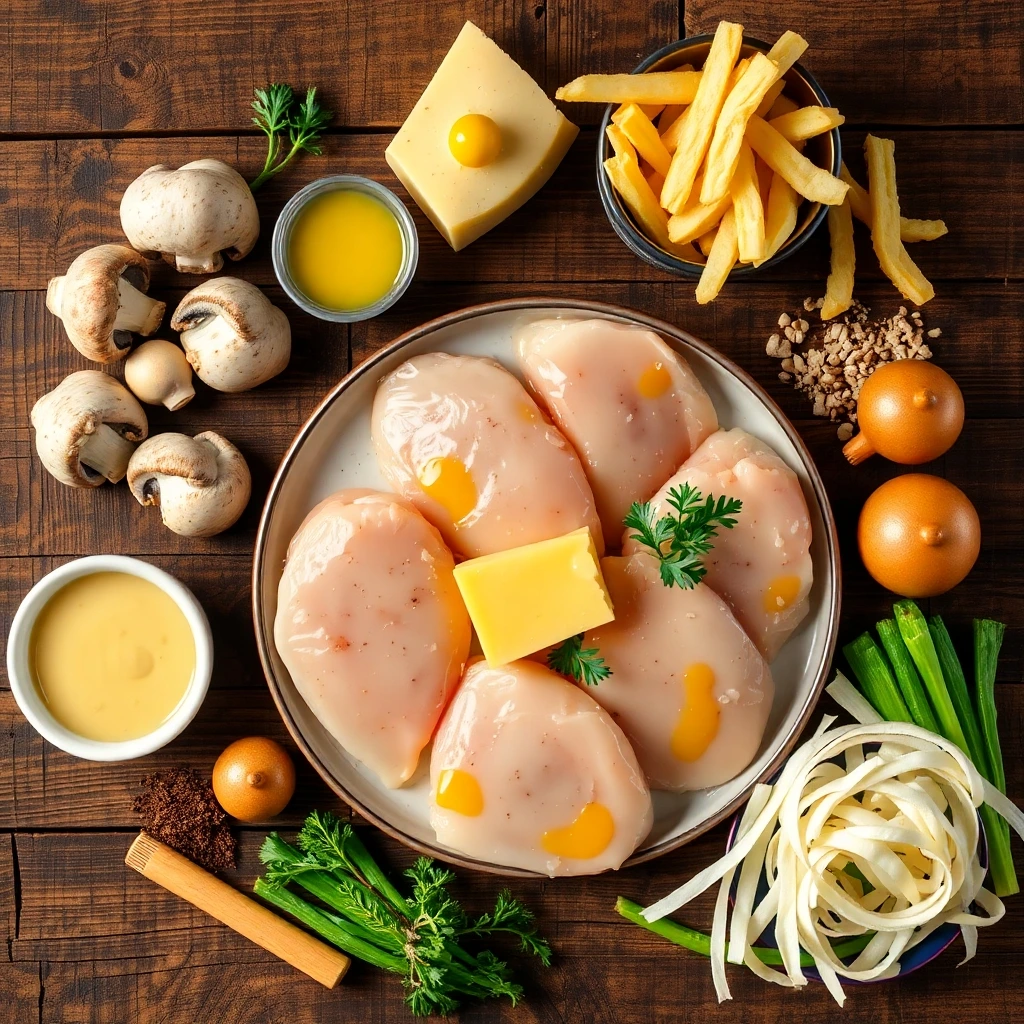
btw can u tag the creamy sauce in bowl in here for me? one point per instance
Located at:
(112, 656)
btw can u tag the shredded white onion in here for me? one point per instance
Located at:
(903, 815)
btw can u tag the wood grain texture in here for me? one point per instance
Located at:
(60, 198)
(915, 62)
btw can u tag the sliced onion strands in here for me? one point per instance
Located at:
(904, 815)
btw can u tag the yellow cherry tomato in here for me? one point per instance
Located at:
(475, 140)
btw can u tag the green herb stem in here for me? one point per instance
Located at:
(876, 681)
(907, 677)
(988, 639)
(699, 942)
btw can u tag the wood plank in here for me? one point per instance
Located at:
(9, 893)
(947, 62)
(21, 992)
(121, 65)
(62, 198)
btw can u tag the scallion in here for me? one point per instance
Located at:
(907, 677)
(875, 678)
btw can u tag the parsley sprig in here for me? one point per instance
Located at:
(418, 936)
(681, 539)
(570, 659)
(279, 113)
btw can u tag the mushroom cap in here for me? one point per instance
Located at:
(254, 345)
(65, 417)
(159, 374)
(201, 484)
(191, 215)
(88, 298)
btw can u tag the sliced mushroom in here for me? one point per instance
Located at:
(201, 483)
(102, 302)
(191, 216)
(158, 372)
(233, 336)
(87, 429)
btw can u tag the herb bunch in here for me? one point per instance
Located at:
(280, 114)
(571, 659)
(418, 936)
(682, 538)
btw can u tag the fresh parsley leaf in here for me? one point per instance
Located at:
(280, 114)
(509, 915)
(680, 539)
(585, 666)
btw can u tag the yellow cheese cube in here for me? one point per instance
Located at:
(525, 599)
(478, 77)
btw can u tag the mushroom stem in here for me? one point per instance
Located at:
(136, 311)
(106, 452)
(181, 395)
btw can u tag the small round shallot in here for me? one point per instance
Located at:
(159, 374)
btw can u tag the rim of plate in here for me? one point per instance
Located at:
(264, 633)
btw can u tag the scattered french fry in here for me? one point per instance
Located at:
(780, 216)
(770, 97)
(702, 115)
(812, 182)
(747, 209)
(721, 260)
(654, 88)
(885, 223)
(839, 288)
(788, 49)
(783, 105)
(911, 229)
(640, 131)
(620, 144)
(806, 122)
(739, 106)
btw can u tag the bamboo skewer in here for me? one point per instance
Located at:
(160, 864)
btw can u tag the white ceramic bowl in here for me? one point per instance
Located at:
(33, 707)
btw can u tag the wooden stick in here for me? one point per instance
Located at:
(179, 875)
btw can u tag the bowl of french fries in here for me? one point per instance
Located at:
(718, 154)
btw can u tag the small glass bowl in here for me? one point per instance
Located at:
(824, 150)
(282, 237)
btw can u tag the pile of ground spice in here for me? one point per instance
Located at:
(830, 360)
(178, 808)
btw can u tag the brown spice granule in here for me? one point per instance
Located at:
(840, 354)
(178, 808)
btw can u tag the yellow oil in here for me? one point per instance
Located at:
(112, 656)
(586, 837)
(450, 484)
(459, 791)
(345, 250)
(698, 721)
(654, 381)
(781, 593)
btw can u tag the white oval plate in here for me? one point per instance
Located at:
(333, 450)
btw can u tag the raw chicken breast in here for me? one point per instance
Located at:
(689, 689)
(461, 439)
(762, 566)
(629, 403)
(528, 772)
(371, 627)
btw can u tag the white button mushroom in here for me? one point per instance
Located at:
(86, 429)
(233, 336)
(201, 483)
(102, 302)
(192, 215)
(158, 372)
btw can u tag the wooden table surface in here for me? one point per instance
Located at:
(98, 90)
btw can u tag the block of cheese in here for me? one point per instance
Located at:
(525, 599)
(477, 77)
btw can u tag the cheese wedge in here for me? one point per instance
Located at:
(527, 598)
(477, 77)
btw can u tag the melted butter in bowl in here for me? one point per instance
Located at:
(112, 656)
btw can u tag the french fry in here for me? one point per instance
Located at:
(739, 105)
(670, 113)
(810, 181)
(696, 220)
(707, 240)
(624, 173)
(649, 110)
(839, 288)
(620, 144)
(911, 229)
(702, 115)
(655, 179)
(885, 223)
(747, 209)
(655, 87)
(780, 216)
(806, 122)
(640, 131)
(764, 178)
(788, 49)
(672, 134)
(721, 260)
(770, 97)
(783, 105)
